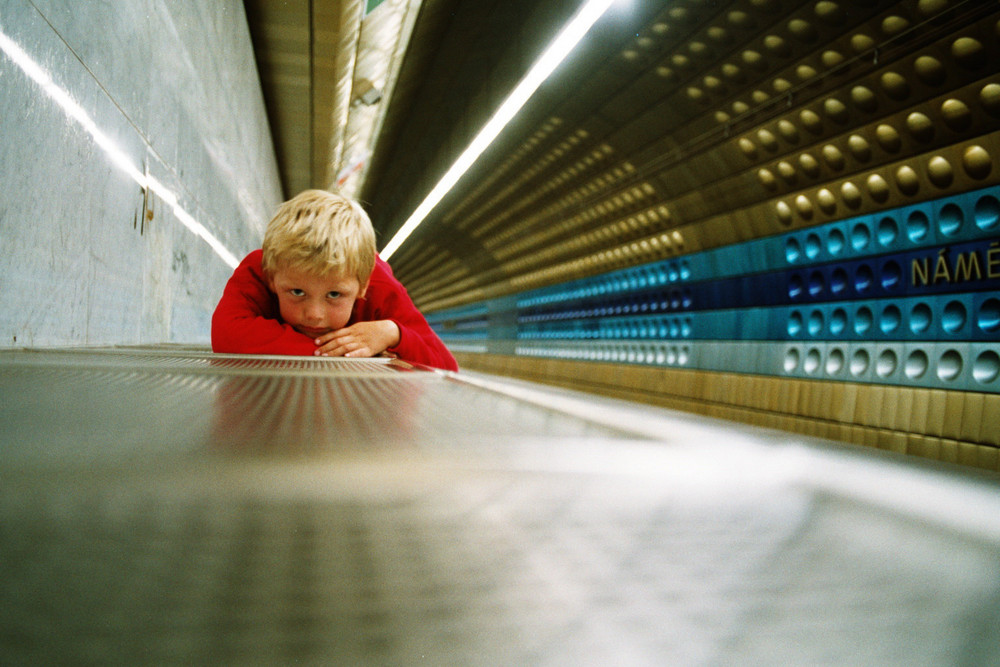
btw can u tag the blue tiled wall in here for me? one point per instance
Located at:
(907, 296)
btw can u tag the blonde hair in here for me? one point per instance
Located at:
(320, 232)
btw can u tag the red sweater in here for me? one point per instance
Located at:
(248, 321)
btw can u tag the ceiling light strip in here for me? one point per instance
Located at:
(569, 36)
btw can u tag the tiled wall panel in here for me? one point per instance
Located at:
(137, 164)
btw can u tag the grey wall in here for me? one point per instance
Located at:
(98, 97)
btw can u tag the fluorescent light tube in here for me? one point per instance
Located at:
(556, 52)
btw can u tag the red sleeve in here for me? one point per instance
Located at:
(247, 320)
(387, 299)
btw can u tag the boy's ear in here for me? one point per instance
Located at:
(364, 288)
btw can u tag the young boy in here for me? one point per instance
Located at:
(317, 287)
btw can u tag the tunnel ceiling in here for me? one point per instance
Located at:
(674, 127)
(328, 68)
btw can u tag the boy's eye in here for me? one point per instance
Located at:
(332, 295)
(295, 291)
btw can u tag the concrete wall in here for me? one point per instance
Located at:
(137, 167)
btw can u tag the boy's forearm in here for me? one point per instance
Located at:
(258, 335)
(421, 345)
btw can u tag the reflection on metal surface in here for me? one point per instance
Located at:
(178, 506)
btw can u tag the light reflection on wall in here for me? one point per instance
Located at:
(114, 153)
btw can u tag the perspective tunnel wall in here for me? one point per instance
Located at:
(137, 164)
(782, 213)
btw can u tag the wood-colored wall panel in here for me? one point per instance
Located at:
(898, 419)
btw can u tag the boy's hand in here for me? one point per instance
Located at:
(364, 339)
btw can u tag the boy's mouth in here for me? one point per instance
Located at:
(312, 332)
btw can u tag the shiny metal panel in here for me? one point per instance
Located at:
(170, 505)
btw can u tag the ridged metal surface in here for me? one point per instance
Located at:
(177, 507)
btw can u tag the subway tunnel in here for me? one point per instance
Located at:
(723, 294)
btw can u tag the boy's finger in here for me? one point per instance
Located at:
(325, 338)
(332, 348)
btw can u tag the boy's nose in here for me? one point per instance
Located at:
(313, 314)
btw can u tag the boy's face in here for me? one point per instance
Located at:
(315, 304)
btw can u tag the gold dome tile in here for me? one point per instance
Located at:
(888, 138)
(864, 98)
(862, 43)
(754, 59)
(989, 97)
(877, 188)
(804, 207)
(767, 140)
(802, 30)
(739, 19)
(895, 85)
(977, 162)
(748, 147)
(831, 12)
(940, 172)
(787, 172)
(833, 157)
(719, 34)
(859, 147)
(930, 70)
(810, 165)
(767, 179)
(969, 52)
(732, 72)
(836, 110)
(920, 126)
(788, 130)
(929, 8)
(894, 25)
(827, 202)
(784, 212)
(777, 46)
(907, 180)
(956, 114)
(812, 121)
(713, 84)
(805, 72)
(831, 59)
(851, 194)
(781, 85)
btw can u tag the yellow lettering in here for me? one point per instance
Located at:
(941, 271)
(919, 272)
(967, 267)
(993, 260)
